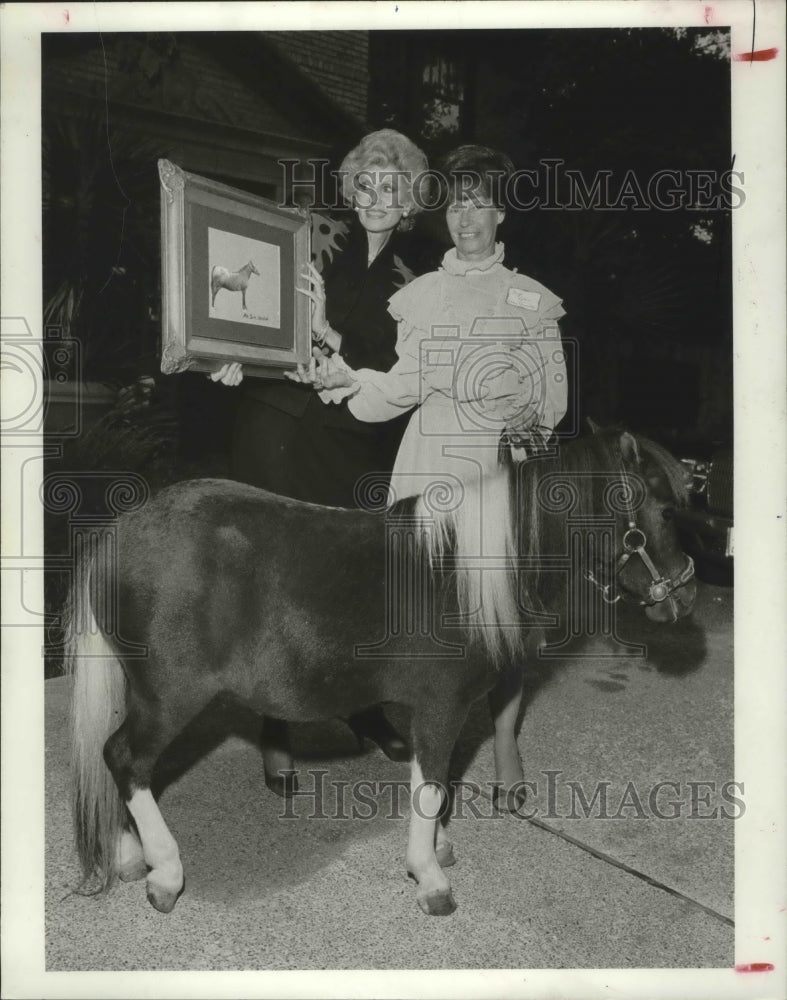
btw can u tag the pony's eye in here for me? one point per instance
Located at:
(668, 513)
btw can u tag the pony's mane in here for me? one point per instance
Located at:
(503, 518)
(575, 460)
(481, 524)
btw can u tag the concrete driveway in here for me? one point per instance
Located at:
(624, 887)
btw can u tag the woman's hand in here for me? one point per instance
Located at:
(322, 373)
(229, 374)
(316, 292)
(322, 333)
(523, 420)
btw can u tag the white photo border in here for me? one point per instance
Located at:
(758, 142)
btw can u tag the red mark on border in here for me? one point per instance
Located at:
(708, 14)
(755, 967)
(66, 16)
(761, 55)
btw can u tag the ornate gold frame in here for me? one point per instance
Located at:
(186, 341)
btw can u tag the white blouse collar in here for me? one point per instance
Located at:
(453, 265)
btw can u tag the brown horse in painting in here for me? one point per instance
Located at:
(234, 593)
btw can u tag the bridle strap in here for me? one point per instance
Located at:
(634, 543)
(661, 587)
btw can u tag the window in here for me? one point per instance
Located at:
(443, 96)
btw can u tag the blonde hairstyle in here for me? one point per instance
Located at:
(383, 148)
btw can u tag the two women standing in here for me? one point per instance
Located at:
(478, 346)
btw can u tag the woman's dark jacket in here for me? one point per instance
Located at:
(286, 439)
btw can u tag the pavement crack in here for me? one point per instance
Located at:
(622, 866)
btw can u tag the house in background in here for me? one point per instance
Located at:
(225, 105)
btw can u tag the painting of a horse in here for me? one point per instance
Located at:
(242, 595)
(233, 281)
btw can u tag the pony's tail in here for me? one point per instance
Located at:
(482, 524)
(97, 709)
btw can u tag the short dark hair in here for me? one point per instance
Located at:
(477, 169)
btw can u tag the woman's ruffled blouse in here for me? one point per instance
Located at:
(470, 331)
(479, 351)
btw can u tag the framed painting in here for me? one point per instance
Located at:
(230, 262)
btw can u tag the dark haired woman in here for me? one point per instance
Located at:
(479, 350)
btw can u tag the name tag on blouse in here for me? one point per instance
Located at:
(525, 300)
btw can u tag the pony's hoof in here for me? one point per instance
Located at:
(133, 871)
(162, 897)
(285, 786)
(509, 801)
(445, 855)
(438, 903)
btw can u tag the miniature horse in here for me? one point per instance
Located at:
(234, 592)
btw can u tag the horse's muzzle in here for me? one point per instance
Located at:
(677, 605)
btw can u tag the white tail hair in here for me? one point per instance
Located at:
(97, 709)
(481, 526)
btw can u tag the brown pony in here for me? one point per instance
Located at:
(298, 611)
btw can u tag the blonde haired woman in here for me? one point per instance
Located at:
(286, 440)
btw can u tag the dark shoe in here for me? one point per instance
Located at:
(374, 725)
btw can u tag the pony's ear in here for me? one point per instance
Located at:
(594, 427)
(629, 448)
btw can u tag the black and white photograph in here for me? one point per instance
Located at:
(393, 454)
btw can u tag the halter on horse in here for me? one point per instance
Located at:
(635, 542)
(236, 593)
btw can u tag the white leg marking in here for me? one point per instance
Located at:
(508, 765)
(130, 859)
(434, 889)
(160, 849)
(511, 795)
(276, 760)
(444, 849)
